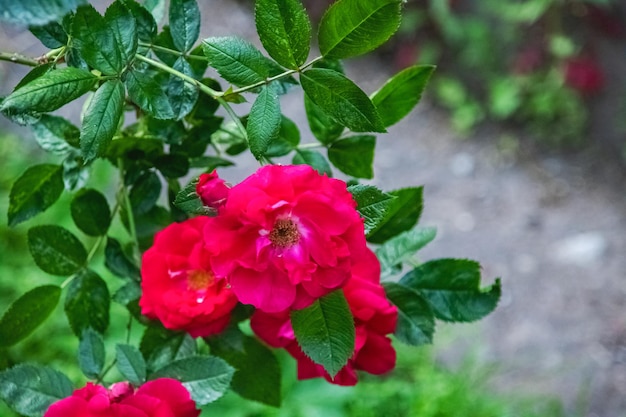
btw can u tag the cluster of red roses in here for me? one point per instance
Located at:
(282, 238)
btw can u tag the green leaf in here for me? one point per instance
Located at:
(184, 23)
(188, 200)
(118, 262)
(325, 331)
(372, 204)
(131, 364)
(87, 303)
(182, 95)
(355, 27)
(263, 124)
(416, 323)
(96, 41)
(49, 92)
(206, 378)
(452, 287)
(401, 93)
(101, 119)
(36, 12)
(55, 134)
(402, 215)
(75, 172)
(287, 140)
(148, 95)
(122, 23)
(56, 250)
(52, 35)
(398, 249)
(146, 25)
(324, 128)
(340, 98)
(34, 191)
(354, 155)
(30, 389)
(90, 211)
(237, 60)
(314, 159)
(26, 313)
(161, 346)
(91, 353)
(257, 376)
(284, 29)
(36, 72)
(145, 192)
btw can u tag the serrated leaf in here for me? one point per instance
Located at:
(90, 211)
(31, 389)
(145, 192)
(189, 201)
(131, 364)
(161, 346)
(75, 172)
(118, 262)
(237, 60)
(49, 91)
(401, 216)
(263, 124)
(87, 303)
(372, 204)
(52, 35)
(26, 313)
(122, 23)
(34, 191)
(96, 41)
(324, 128)
(313, 159)
(354, 27)
(452, 287)
(416, 323)
(55, 134)
(354, 155)
(36, 12)
(257, 376)
(401, 93)
(206, 378)
(287, 140)
(398, 249)
(91, 353)
(284, 29)
(146, 25)
(56, 250)
(340, 98)
(36, 72)
(101, 119)
(325, 331)
(148, 95)
(184, 23)
(182, 95)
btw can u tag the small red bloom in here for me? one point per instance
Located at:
(162, 397)
(285, 237)
(584, 75)
(178, 286)
(374, 318)
(212, 190)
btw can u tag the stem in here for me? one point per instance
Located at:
(172, 51)
(106, 371)
(311, 146)
(129, 212)
(18, 59)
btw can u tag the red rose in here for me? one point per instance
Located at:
(374, 318)
(584, 75)
(178, 285)
(285, 237)
(212, 190)
(159, 398)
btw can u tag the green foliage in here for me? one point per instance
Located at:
(90, 212)
(399, 248)
(34, 191)
(416, 322)
(354, 155)
(56, 250)
(36, 12)
(91, 353)
(131, 364)
(264, 122)
(87, 303)
(402, 215)
(372, 204)
(325, 331)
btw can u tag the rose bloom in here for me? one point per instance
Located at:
(584, 75)
(285, 237)
(162, 397)
(178, 285)
(212, 190)
(374, 318)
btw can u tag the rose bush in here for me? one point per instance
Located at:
(164, 397)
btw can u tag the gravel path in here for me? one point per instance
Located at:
(551, 226)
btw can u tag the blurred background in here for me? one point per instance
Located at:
(520, 144)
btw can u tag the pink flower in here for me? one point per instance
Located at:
(374, 318)
(178, 286)
(285, 237)
(584, 75)
(159, 398)
(212, 190)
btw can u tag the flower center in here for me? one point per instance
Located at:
(199, 280)
(284, 234)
